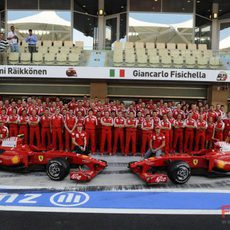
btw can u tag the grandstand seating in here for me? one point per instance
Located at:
(128, 54)
(48, 53)
(164, 55)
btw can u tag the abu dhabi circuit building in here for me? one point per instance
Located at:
(120, 49)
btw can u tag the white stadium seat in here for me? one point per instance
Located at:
(154, 61)
(25, 58)
(13, 58)
(38, 58)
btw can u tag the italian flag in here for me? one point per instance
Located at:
(117, 73)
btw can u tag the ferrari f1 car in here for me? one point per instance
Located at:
(179, 167)
(16, 157)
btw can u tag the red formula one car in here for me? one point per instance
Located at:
(14, 156)
(179, 167)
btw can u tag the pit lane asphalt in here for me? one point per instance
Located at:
(115, 177)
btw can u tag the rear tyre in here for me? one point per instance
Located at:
(57, 169)
(179, 172)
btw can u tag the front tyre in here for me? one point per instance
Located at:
(179, 172)
(57, 169)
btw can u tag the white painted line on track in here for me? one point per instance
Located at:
(112, 211)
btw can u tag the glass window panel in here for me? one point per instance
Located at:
(114, 7)
(225, 36)
(145, 5)
(22, 4)
(123, 25)
(85, 29)
(185, 6)
(55, 4)
(203, 31)
(47, 25)
(161, 27)
(86, 6)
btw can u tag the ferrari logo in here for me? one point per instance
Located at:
(40, 158)
(195, 161)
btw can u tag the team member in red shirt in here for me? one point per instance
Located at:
(140, 120)
(79, 140)
(194, 112)
(209, 132)
(45, 129)
(34, 120)
(4, 116)
(56, 128)
(80, 118)
(98, 129)
(72, 104)
(70, 123)
(11, 108)
(90, 122)
(218, 130)
(23, 125)
(4, 132)
(178, 133)
(165, 109)
(190, 125)
(13, 123)
(156, 144)
(212, 113)
(201, 126)
(172, 121)
(147, 129)
(178, 111)
(119, 124)
(80, 108)
(106, 133)
(155, 118)
(22, 107)
(226, 121)
(131, 132)
(166, 128)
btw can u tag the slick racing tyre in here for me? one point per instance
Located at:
(57, 169)
(179, 172)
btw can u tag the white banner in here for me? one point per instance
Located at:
(198, 75)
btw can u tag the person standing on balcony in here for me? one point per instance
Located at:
(32, 41)
(12, 38)
(3, 47)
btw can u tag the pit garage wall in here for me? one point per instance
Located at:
(117, 89)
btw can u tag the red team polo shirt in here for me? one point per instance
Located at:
(79, 137)
(90, 122)
(3, 132)
(45, 121)
(157, 140)
(57, 121)
(119, 121)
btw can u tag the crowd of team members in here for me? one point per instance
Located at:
(53, 124)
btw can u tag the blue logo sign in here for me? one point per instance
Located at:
(69, 199)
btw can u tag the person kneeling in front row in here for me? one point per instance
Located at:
(79, 140)
(156, 144)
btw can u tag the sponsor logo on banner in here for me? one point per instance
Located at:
(71, 72)
(222, 76)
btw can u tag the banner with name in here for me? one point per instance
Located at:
(198, 75)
